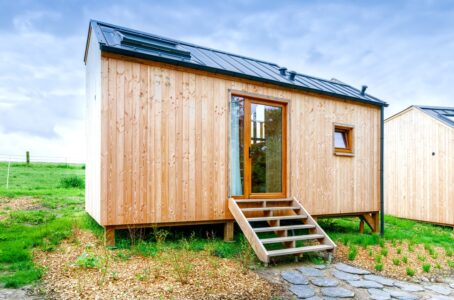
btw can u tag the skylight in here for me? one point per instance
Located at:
(154, 44)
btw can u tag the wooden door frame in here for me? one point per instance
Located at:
(259, 99)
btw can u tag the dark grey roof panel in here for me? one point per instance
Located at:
(440, 113)
(130, 42)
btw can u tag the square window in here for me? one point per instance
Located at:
(343, 140)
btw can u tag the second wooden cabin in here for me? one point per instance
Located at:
(419, 164)
(183, 134)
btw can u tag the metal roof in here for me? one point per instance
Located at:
(444, 114)
(130, 42)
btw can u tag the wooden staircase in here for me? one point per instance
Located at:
(284, 222)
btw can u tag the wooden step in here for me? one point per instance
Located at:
(239, 201)
(280, 228)
(274, 218)
(292, 238)
(270, 208)
(289, 251)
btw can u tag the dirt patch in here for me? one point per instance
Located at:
(395, 264)
(13, 204)
(171, 274)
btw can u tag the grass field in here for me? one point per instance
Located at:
(44, 204)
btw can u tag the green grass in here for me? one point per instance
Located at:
(58, 210)
(345, 231)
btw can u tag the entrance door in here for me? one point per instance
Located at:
(257, 148)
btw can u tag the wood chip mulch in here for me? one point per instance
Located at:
(13, 204)
(137, 277)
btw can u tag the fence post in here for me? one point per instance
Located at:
(27, 157)
(7, 174)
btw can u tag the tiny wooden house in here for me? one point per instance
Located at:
(183, 134)
(419, 164)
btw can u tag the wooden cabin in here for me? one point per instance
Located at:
(419, 164)
(182, 134)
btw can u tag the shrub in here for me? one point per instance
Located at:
(379, 267)
(399, 250)
(371, 253)
(396, 261)
(72, 181)
(448, 252)
(352, 253)
(378, 258)
(411, 248)
(421, 257)
(404, 259)
(88, 261)
(426, 268)
(410, 271)
(384, 251)
(451, 264)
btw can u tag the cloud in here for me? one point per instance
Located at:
(401, 50)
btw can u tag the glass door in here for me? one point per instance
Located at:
(257, 148)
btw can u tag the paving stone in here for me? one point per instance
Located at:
(366, 284)
(441, 297)
(408, 287)
(320, 267)
(294, 277)
(324, 282)
(345, 276)
(310, 271)
(377, 294)
(302, 291)
(439, 289)
(337, 292)
(352, 270)
(380, 279)
(400, 295)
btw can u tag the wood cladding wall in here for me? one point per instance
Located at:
(93, 131)
(164, 146)
(419, 168)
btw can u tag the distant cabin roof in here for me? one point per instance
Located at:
(116, 39)
(444, 114)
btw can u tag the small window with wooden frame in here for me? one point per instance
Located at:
(343, 140)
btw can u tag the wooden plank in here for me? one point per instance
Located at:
(274, 218)
(228, 231)
(292, 238)
(305, 249)
(282, 228)
(258, 247)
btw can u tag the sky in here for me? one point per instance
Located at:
(402, 50)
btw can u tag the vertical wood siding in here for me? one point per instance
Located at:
(419, 185)
(166, 153)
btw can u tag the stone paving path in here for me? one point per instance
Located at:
(340, 281)
(17, 294)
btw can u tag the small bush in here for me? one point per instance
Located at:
(399, 250)
(378, 258)
(396, 261)
(411, 248)
(88, 261)
(451, 264)
(421, 258)
(371, 253)
(448, 252)
(352, 253)
(404, 259)
(72, 181)
(410, 271)
(379, 267)
(426, 268)
(382, 243)
(384, 251)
